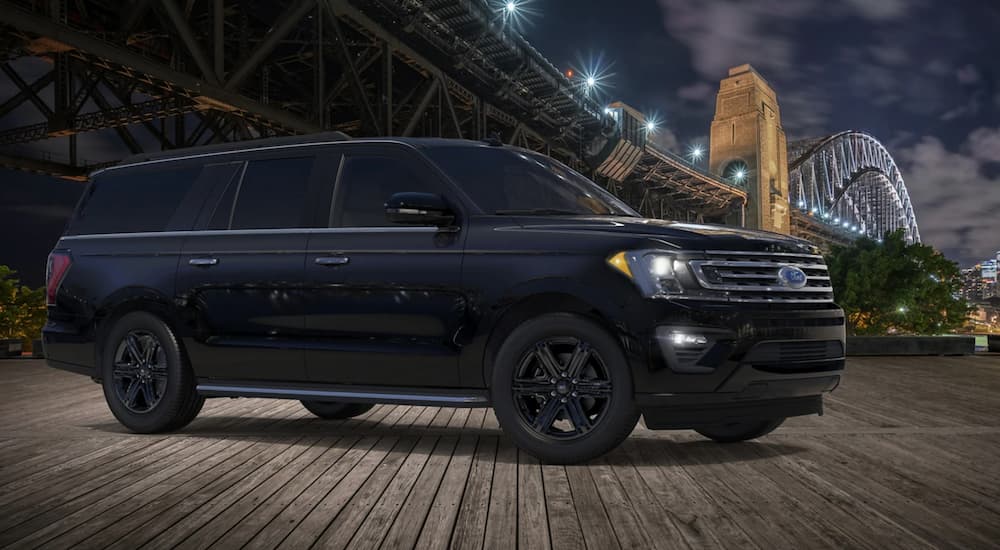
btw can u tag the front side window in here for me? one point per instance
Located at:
(272, 194)
(510, 181)
(366, 182)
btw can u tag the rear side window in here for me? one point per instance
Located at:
(272, 194)
(131, 201)
(365, 185)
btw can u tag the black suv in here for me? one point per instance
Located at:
(345, 273)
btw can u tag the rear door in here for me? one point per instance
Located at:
(384, 301)
(240, 274)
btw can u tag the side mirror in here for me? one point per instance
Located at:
(419, 209)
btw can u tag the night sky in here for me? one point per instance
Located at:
(923, 76)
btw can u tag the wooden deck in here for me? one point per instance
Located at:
(907, 456)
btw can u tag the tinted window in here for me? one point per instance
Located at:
(367, 182)
(128, 201)
(509, 181)
(272, 194)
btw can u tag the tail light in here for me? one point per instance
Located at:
(59, 262)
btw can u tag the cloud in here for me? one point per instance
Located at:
(880, 10)
(699, 91)
(955, 197)
(984, 144)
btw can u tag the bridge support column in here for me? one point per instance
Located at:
(748, 147)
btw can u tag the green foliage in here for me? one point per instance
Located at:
(22, 309)
(893, 287)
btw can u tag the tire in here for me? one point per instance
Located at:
(335, 410)
(156, 392)
(734, 432)
(593, 384)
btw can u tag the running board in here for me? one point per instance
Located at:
(439, 397)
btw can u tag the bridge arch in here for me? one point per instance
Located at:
(851, 180)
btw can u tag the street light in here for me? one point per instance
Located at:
(511, 7)
(696, 152)
(591, 82)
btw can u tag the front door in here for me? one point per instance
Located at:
(241, 272)
(384, 300)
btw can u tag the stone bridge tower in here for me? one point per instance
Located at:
(747, 147)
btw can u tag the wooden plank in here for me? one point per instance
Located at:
(501, 519)
(440, 521)
(376, 503)
(405, 529)
(564, 525)
(468, 533)
(317, 520)
(594, 522)
(532, 517)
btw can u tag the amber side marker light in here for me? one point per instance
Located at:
(619, 262)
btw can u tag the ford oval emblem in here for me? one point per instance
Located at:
(792, 277)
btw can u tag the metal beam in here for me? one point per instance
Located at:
(190, 42)
(123, 133)
(219, 37)
(421, 107)
(98, 120)
(223, 98)
(368, 114)
(288, 20)
(27, 94)
(449, 107)
(27, 89)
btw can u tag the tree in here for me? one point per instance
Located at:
(893, 287)
(22, 309)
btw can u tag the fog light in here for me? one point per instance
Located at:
(684, 339)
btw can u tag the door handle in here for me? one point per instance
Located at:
(203, 262)
(332, 260)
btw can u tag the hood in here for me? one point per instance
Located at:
(682, 235)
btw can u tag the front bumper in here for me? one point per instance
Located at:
(715, 363)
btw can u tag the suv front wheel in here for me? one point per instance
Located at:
(562, 389)
(147, 381)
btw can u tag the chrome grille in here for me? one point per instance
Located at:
(753, 276)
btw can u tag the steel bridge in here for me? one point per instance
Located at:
(96, 81)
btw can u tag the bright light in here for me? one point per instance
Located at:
(847, 224)
(826, 215)
(650, 126)
(802, 204)
(901, 309)
(813, 210)
(607, 110)
(661, 266)
(681, 339)
(696, 152)
(593, 74)
(836, 220)
(511, 7)
(739, 174)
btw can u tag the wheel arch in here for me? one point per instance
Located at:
(536, 305)
(128, 301)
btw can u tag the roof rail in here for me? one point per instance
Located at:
(238, 146)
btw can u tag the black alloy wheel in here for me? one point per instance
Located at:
(561, 387)
(140, 371)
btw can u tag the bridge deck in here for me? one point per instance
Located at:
(906, 456)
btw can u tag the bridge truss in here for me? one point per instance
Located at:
(848, 183)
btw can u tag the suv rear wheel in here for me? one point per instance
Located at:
(562, 389)
(335, 410)
(734, 432)
(147, 381)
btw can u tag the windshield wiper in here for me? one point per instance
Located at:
(539, 212)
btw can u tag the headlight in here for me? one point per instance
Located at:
(653, 271)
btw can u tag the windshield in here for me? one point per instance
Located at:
(516, 182)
